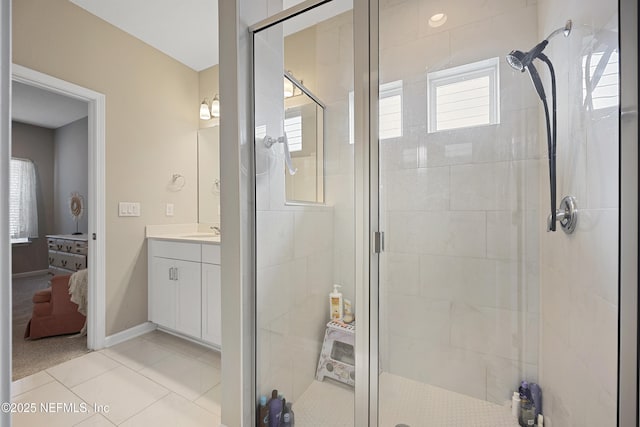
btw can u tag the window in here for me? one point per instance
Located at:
(23, 207)
(390, 110)
(464, 96)
(293, 129)
(601, 76)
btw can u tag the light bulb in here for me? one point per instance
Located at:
(215, 107)
(288, 88)
(204, 111)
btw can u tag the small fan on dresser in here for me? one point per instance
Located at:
(76, 207)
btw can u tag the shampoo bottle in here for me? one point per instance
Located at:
(291, 414)
(515, 404)
(275, 409)
(263, 412)
(527, 409)
(536, 397)
(348, 313)
(335, 303)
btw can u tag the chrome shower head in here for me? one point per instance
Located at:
(515, 60)
(519, 60)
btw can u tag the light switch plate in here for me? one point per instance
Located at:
(169, 210)
(129, 209)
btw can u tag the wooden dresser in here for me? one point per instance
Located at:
(67, 253)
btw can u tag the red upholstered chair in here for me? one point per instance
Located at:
(53, 311)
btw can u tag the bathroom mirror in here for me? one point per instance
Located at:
(303, 124)
(209, 176)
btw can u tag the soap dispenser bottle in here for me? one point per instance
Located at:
(335, 304)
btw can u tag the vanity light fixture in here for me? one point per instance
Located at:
(208, 111)
(437, 20)
(291, 89)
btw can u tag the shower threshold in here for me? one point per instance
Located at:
(402, 401)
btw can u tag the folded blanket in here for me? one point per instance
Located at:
(78, 284)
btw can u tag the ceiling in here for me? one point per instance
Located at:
(187, 30)
(39, 107)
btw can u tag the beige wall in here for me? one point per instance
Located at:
(208, 152)
(36, 144)
(151, 124)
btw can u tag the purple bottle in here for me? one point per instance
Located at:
(536, 396)
(275, 409)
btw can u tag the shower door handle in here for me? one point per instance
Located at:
(378, 242)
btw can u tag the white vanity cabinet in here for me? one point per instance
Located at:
(211, 295)
(184, 288)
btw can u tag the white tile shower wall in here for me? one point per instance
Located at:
(460, 280)
(302, 250)
(334, 79)
(579, 304)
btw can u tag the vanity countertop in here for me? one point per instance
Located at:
(196, 233)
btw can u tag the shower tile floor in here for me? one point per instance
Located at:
(403, 401)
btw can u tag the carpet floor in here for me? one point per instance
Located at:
(31, 356)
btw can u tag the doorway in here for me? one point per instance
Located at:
(92, 202)
(49, 159)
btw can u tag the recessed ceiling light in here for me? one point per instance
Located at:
(437, 20)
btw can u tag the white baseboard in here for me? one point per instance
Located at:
(188, 338)
(130, 333)
(29, 274)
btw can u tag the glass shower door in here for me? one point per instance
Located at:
(304, 183)
(475, 295)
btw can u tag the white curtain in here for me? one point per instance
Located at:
(23, 207)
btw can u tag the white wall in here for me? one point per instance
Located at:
(459, 276)
(579, 280)
(71, 174)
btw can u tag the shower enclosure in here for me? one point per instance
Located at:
(422, 187)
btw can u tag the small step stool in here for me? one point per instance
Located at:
(337, 357)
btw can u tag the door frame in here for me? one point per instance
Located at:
(96, 321)
(5, 253)
(628, 333)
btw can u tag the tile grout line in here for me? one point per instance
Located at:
(84, 381)
(193, 358)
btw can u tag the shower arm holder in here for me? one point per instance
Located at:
(269, 141)
(566, 215)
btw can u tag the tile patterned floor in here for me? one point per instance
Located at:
(153, 380)
(403, 401)
(161, 380)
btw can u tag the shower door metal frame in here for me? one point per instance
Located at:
(628, 395)
(5, 255)
(366, 93)
(365, 108)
